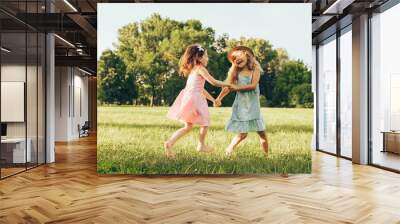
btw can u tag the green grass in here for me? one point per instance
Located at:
(130, 141)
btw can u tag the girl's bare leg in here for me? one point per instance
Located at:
(202, 147)
(177, 135)
(263, 141)
(235, 141)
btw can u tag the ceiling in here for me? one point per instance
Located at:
(75, 21)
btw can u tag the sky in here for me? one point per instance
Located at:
(284, 25)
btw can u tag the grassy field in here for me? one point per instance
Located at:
(130, 141)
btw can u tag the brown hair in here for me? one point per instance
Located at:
(190, 58)
(252, 64)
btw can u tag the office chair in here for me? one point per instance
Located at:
(84, 130)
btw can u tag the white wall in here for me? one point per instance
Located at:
(71, 87)
(13, 72)
(80, 84)
(62, 82)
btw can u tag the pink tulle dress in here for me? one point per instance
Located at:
(191, 104)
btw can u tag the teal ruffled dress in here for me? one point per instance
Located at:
(246, 115)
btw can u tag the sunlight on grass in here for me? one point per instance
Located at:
(130, 141)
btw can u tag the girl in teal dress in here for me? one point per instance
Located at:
(244, 76)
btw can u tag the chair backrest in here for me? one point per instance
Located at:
(86, 124)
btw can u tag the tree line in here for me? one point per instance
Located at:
(143, 68)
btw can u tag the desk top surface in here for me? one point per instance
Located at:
(13, 140)
(391, 132)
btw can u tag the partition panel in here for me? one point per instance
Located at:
(15, 150)
(41, 107)
(22, 100)
(32, 97)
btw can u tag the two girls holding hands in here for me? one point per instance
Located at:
(191, 107)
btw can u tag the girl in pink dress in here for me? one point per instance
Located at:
(190, 107)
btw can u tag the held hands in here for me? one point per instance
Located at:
(233, 87)
(230, 86)
(225, 90)
(217, 103)
(225, 84)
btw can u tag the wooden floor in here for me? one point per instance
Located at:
(70, 191)
(387, 159)
(5, 172)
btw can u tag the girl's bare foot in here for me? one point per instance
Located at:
(229, 151)
(167, 149)
(204, 148)
(264, 145)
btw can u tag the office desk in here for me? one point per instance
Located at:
(13, 150)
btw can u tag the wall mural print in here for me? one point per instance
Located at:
(204, 89)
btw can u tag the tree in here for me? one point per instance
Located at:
(144, 66)
(139, 44)
(301, 96)
(220, 43)
(275, 66)
(292, 74)
(115, 84)
(281, 57)
(152, 49)
(263, 101)
(190, 32)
